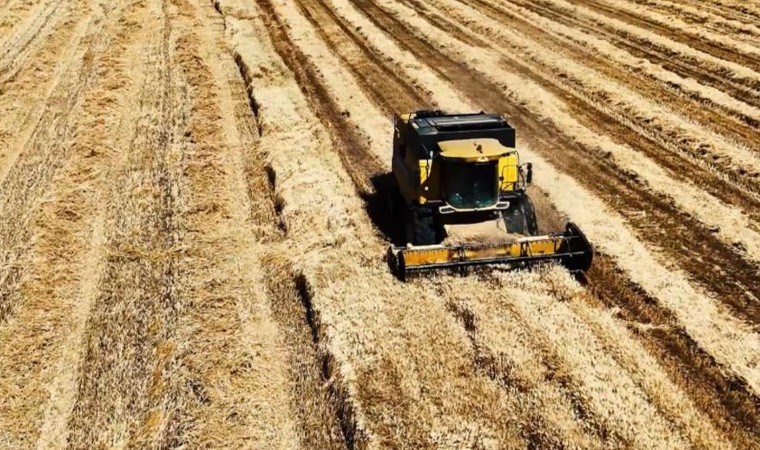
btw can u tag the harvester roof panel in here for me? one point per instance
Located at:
(466, 122)
(434, 129)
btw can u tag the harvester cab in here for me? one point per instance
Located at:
(462, 169)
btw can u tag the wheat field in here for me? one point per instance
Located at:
(191, 254)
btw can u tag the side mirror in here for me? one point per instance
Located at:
(529, 174)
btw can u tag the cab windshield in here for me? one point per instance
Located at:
(470, 185)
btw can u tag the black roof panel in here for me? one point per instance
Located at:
(466, 121)
(461, 122)
(436, 126)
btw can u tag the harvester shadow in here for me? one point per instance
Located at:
(378, 206)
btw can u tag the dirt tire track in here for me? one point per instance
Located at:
(133, 329)
(393, 93)
(732, 12)
(738, 290)
(711, 47)
(55, 292)
(708, 17)
(47, 151)
(729, 122)
(25, 97)
(726, 399)
(53, 432)
(556, 413)
(16, 52)
(360, 163)
(120, 81)
(269, 359)
(21, 36)
(656, 54)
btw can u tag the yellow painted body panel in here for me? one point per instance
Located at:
(425, 168)
(509, 171)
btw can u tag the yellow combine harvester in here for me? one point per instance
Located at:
(463, 169)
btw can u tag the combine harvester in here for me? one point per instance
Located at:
(453, 169)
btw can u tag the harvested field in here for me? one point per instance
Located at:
(192, 234)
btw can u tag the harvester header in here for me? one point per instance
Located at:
(570, 249)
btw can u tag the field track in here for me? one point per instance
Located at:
(192, 232)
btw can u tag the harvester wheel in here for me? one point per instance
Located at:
(520, 218)
(421, 226)
(530, 215)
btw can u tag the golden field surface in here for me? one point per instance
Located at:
(191, 254)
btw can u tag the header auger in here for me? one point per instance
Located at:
(451, 169)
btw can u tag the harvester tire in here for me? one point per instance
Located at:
(421, 226)
(520, 218)
(530, 216)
